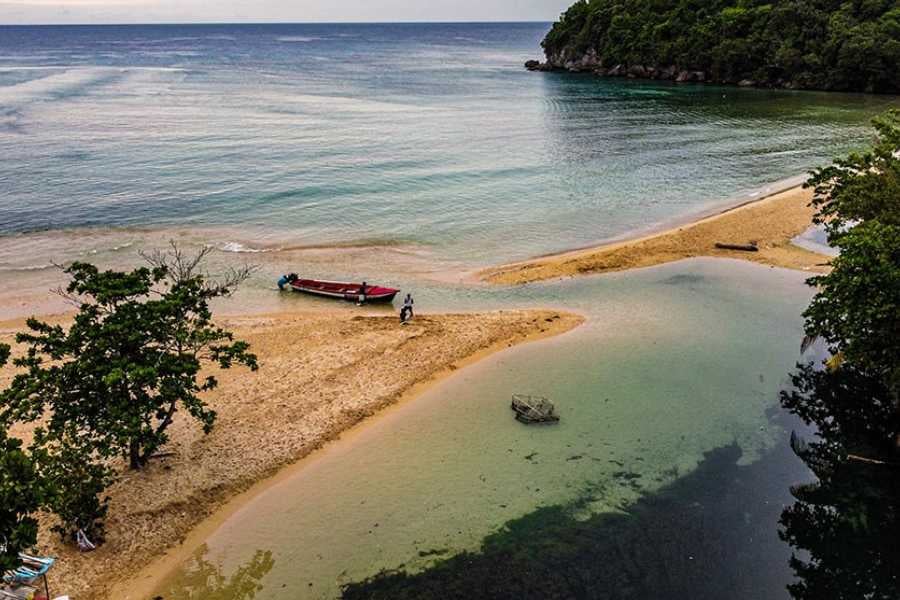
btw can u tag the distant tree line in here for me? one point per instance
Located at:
(804, 44)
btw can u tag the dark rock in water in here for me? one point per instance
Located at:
(637, 72)
(533, 409)
(536, 65)
(691, 76)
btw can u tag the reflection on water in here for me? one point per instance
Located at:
(201, 579)
(844, 524)
(844, 529)
(709, 535)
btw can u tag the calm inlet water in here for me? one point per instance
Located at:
(675, 362)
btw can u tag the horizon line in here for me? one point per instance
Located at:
(266, 22)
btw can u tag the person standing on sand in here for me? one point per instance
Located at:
(406, 313)
(362, 294)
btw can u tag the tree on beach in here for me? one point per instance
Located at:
(131, 360)
(22, 493)
(857, 308)
(113, 382)
(21, 496)
(847, 520)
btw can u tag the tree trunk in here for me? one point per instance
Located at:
(134, 453)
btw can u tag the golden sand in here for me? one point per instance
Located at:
(319, 375)
(771, 223)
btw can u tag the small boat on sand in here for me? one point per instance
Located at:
(29, 581)
(338, 289)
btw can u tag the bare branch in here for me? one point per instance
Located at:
(231, 280)
(182, 267)
(73, 299)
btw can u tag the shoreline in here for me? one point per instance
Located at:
(158, 535)
(160, 515)
(772, 221)
(149, 578)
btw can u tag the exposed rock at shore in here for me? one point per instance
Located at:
(591, 63)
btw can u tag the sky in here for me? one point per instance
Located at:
(13, 12)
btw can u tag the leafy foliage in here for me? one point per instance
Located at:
(22, 493)
(79, 482)
(847, 521)
(116, 378)
(857, 309)
(820, 44)
(110, 385)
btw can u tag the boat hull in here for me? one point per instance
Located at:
(343, 291)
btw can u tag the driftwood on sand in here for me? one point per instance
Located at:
(740, 247)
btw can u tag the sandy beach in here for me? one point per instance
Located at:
(770, 223)
(321, 374)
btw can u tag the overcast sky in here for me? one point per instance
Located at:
(222, 11)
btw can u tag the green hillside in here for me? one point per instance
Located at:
(802, 44)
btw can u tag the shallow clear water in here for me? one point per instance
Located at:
(674, 362)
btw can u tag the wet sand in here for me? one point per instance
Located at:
(771, 223)
(320, 375)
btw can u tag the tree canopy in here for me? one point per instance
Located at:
(813, 44)
(108, 385)
(115, 379)
(22, 493)
(846, 522)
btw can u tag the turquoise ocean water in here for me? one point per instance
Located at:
(428, 139)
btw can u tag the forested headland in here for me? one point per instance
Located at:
(799, 44)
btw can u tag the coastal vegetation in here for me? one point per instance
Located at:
(22, 494)
(802, 44)
(110, 385)
(844, 520)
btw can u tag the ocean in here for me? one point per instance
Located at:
(428, 137)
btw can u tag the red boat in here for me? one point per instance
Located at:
(338, 289)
